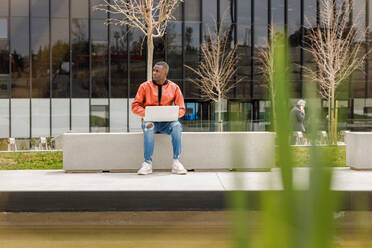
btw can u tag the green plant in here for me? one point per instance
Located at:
(3, 144)
(51, 142)
(23, 145)
(292, 218)
(33, 142)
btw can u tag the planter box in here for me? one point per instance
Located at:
(359, 150)
(200, 151)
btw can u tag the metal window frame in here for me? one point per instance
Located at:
(50, 69)
(30, 61)
(10, 70)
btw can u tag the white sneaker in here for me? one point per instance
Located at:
(177, 168)
(145, 169)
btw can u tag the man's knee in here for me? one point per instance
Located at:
(176, 126)
(148, 126)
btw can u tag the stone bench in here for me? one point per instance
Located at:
(117, 152)
(359, 150)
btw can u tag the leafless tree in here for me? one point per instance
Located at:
(336, 52)
(265, 59)
(149, 16)
(217, 67)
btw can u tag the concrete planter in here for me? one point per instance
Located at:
(200, 151)
(359, 150)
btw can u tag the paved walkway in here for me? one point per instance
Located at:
(55, 190)
(344, 179)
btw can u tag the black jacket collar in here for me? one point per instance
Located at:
(154, 82)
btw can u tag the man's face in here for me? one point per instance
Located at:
(159, 73)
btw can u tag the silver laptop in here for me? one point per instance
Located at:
(161, 113)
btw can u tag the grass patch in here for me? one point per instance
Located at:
(54, 160)
(336, 155)
(31, 161)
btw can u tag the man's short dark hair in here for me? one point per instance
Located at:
(163, 64)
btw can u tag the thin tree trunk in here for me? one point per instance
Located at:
(150, 54)
(332, 100)
(329, 117)
(335, 123)
(220, 126)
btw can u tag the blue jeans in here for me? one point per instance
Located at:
(173, 128)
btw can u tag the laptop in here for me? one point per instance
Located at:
(161, 113)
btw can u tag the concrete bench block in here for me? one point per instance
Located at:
(200, 150)
(359, 150)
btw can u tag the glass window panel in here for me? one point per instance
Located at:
(59, 8)
(191, 91)
(244, 12)
(359, 17)
(192, 10)
(244, 35)
(39, 8)
(40, 57)
(294, 17)
(80, 115)
(138, 62)
(99, 59)
(4, 85)
(177, 13)
(174, 39)
(277, 15)
(4, 118)
(4, 8)
(227, 9)
(99, 118)
(3, 28)
(358, 88)
(359, 13)
(20, 122)
(369, 85)
(97, 14)
(134, 120)
(259, 89)
(244, 49)
(368, 108)
(209, 16)
(119, 62)
(261, 24)
(244, 64)
(79, 8)
(358, 110)
(260, 42)
(19, 7)
(192, 55)
(20, 57)
(60, 116)
(159, 49)
(243, 89)
(310, 13)
(80, 58)
(60, 58)
(4, 55)
(40, 117)
(118, 115)
(370, 15)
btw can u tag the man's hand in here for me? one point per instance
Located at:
(302, 108)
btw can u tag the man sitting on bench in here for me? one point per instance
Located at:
(160, 92)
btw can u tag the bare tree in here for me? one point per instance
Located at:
(217, 66)
(149, 16)
(336, 53)
(266, 67)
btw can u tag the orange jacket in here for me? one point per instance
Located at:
(148, 93)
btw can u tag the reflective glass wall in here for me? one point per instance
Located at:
(62, 68)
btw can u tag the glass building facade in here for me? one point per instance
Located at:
(62, 68)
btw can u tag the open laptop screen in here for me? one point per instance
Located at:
(161, 113)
